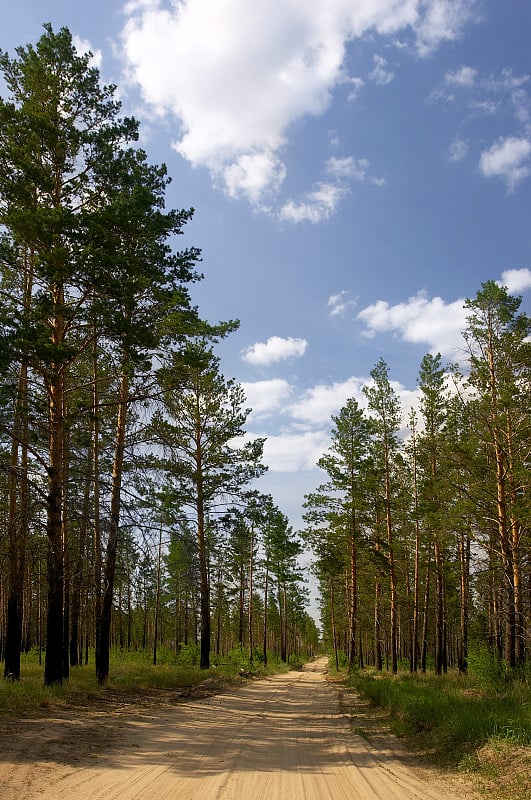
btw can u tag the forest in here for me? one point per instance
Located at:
(128, 514)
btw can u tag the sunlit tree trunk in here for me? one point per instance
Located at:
(464, 560)
(353, 610)
(157, 596)
(378, 626)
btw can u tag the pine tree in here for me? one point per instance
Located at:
(341, 503)
(500, 357)
(384, 405)
(203, 416)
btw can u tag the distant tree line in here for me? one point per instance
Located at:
(422, 540)
(126, 517)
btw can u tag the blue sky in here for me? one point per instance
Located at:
(358, 168)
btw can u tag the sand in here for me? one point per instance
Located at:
(289, 737)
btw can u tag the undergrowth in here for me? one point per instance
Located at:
(130, 671)
(462, 721)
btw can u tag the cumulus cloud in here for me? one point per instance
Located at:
(316, 206)
(83, 47)
(308, 419)
(340, 303)
(266, 397)
(381, 74)
(442, 20)
(516, 280)
(293, 452)
(490, 95)
(432, 321)
(420, 320)
(322, 202)
(252, 175)
(317, 404)
(307, 414)
(464, 77)
(349, 168)
(508, 159)
(275, 349)
(235, 77)
(483, 92)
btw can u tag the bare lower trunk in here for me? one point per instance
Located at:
(424, 637)
(17, 532)
(53, 665)
(377, 627)
(464, 559)
(440, 631)
(76, 656)
(266, 602)
(353, 612)
(204, 662)
(333, 621)
(104, 639)
(250, 610)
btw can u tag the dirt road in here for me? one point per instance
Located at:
(288, 737)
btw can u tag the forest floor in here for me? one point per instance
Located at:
(293, 736)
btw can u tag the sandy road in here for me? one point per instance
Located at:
(282, 738)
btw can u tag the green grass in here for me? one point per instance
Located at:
(452, 716)
(130, 673)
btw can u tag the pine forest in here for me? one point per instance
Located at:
(130, 517)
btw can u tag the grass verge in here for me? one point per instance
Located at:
(477, 723)
(132, 678)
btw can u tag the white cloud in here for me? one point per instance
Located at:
(433, 322)
(488, 95)
(355, 85)
(442, 20)
(317, 404)
(275, 349)
(516, 280)
(83, 47)
(309, 419)
(266, 397)
(339, 303)
(483, 108)
(235, 77)
(457, 151)
(522, 107)
(317, 205)
(252, 175)
(508, 159)
(506, 82)
(380, 74)
(293, 452)
(348, 167)
(420, 321)
(322, 202)
(463, 78)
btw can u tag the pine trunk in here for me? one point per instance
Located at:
(104, 639)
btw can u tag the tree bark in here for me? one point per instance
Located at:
(104, 639)
(17, 525)
(53, 665)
